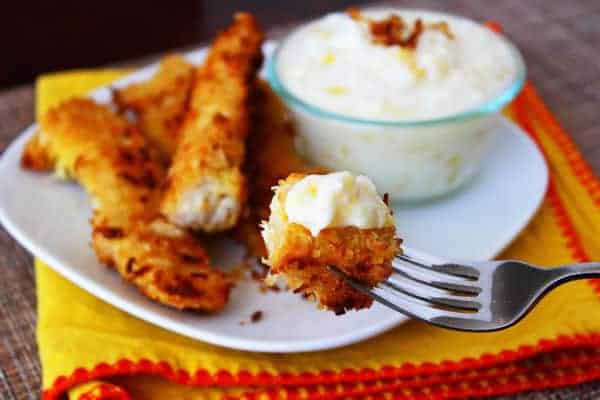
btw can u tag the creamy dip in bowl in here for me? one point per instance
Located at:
(406, 97)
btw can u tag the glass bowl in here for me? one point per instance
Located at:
(410, 160)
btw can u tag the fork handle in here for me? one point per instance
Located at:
(578, 271)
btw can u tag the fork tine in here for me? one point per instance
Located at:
(435, 279)
(462, 271)
(435, 296)
(403, 303)
(458, 270)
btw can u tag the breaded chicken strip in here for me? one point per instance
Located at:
(303, 259)
(270, 152)
(160, 103)
(205, 187)
(270, 157)
(113, 161)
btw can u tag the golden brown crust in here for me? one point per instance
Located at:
(106, 154)
(35, 157)
(270, 157)
(165, 262)
(211, 150)
(364, 254)
(160, 103)
(112, 160)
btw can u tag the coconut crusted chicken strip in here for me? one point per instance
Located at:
(270, 157)
(160, 103)
(302, 257)
(205, 188)
(112, 160)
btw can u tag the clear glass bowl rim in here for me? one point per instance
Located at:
(491, 106)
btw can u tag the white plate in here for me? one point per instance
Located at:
(50, 218)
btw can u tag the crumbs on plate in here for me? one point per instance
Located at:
(255, 317)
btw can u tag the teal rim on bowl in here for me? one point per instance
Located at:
(489, 107)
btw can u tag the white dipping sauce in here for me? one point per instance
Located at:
(336, 200)
(375, 109)
(334, 64)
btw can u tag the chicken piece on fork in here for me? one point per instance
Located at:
(111, 159)
(206, 188)
(323, 220)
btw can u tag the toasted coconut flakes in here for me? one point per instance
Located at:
(256, 316)
(394, 31)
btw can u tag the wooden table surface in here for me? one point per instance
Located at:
(560, 41)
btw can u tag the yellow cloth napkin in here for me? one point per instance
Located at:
(91, 350)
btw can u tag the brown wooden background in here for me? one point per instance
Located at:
(560, 40)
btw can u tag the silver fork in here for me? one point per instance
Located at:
(478, 296)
